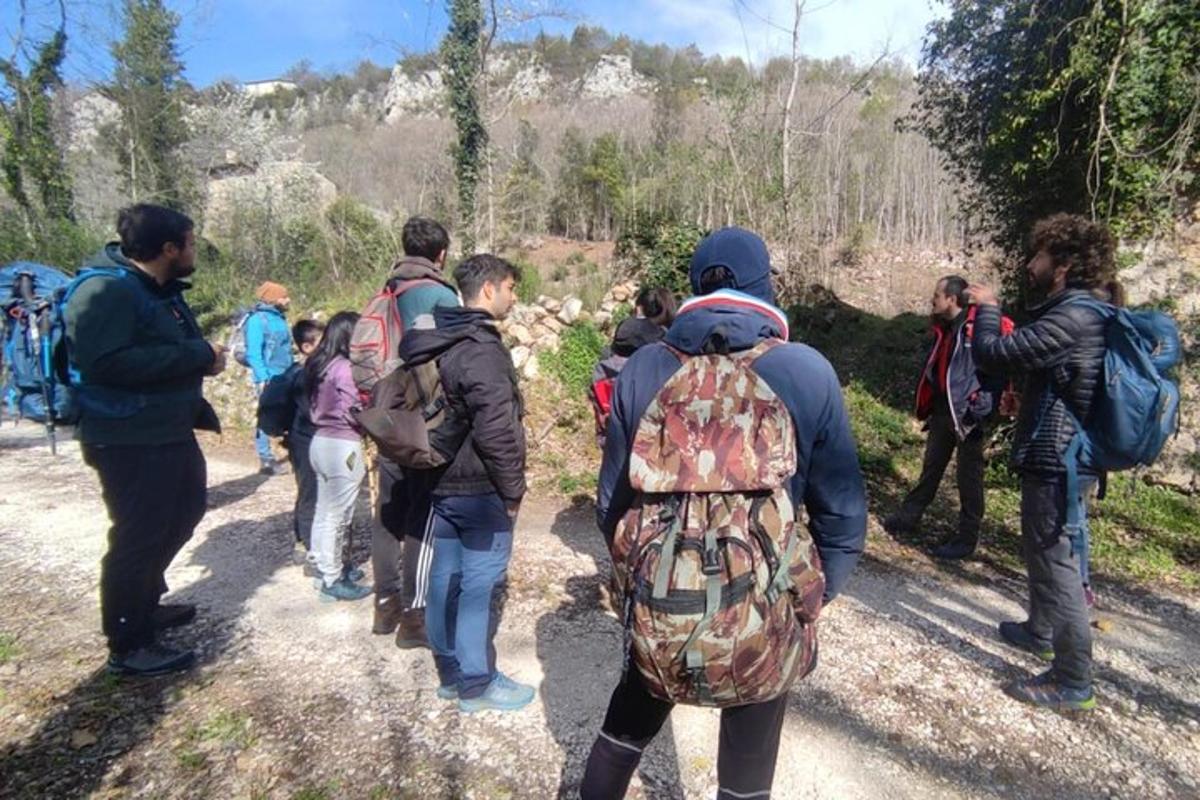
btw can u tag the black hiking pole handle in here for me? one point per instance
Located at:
(39, 326)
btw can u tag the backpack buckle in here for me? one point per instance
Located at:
(710, 563)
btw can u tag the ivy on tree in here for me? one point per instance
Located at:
(1087, 106)
(462, 57)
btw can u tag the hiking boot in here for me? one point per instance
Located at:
(343, 590)
(896, 525)
(954, 549)
(153, 659)
(273, 468)
(502, 694)
(447, 692)
(172, 615)
(388, 610)
(410, 633)
(1045, 690)
(353, 573)
(1016, 634)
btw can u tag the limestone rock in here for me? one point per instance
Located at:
(613, 76)
(520, 334)
(422, 94)
(570, 311)
(291, 189)
(520, 356)
(531, 370)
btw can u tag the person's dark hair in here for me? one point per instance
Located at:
(657, 305)
(477, 270)
(1087, 248)
(334, 342)
(955, 286)
(307, 331)
(716, 278)
(424, 238)
(145, 229)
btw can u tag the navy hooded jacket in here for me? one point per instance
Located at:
(827, 481)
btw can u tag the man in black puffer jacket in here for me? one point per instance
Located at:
(476, 498)
(1061, 354)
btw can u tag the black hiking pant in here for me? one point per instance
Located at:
(746, 755)
(1058, 614)
(306, 488)
(401, 538)
(939, 447)
(155, 495)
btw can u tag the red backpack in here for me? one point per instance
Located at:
(376, 339)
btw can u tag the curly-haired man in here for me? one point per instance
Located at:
(1061, 354)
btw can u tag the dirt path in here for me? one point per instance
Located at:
(296, 699)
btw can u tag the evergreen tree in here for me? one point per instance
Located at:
(148, 86)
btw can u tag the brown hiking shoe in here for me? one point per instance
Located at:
(388, 611)
(411, 632)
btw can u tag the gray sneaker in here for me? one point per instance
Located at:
(502, 694)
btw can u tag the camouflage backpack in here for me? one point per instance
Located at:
(721, 583)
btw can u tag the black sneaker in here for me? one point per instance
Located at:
(954, 549)
(153, 659)
(172, 615)
(896, 525)
(1016, 634)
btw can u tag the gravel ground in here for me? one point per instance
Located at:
(296, 699)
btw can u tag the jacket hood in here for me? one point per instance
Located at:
(635, 332)
(268, 308)
(725, 321)
(454, 324)
(416, 267)
(112, 257)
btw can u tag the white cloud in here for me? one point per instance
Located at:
(761, 29)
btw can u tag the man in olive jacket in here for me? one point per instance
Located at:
(137, 359)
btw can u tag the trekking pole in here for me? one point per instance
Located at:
(37, 316)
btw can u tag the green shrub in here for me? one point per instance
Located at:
(578, 351)
(529, 288)
(56, 243)
(560, 273)
(658, 251)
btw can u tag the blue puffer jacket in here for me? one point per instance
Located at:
(827, 479)
(268, 342)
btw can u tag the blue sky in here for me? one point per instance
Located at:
(257, 39)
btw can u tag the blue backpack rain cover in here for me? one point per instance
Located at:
(31, 299)
(1136, 408)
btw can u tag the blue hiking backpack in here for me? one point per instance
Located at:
(31, 297)
(1136, 407)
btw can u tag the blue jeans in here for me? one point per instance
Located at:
(471, 549)
(262, 443)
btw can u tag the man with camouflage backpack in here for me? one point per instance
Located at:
(717, 435)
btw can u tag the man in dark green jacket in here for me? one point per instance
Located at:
(138, 359)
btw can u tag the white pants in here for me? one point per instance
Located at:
(338, 464)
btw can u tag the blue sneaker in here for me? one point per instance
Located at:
(447, 692)
(1018, 635)
(1045, 690)
(502, 694)
(343, 590)
(353, 573)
